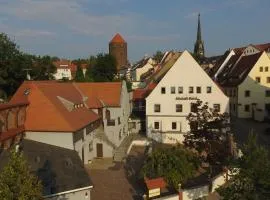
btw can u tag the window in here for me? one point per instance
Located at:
(172, 90)
(180, 90)
(198, 90)
(258, 79)
(179, 108)
(173, 125)
(119, 121)
(247, 93)
(209, 89)
(268, 79)
(193, 107)
(90, 146)
(110, 122)
(267, 93)
(216, 107)
(247, 108)
(157, 108)
(163, 90)
(261, 69)
(266, 69)
(156, 125)
(190, 90)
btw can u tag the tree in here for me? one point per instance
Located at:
(43, 68)
(175, 164)
(251, 179)
(16, 182)
(158, 56)
(104, 68)
(79, 76)
(11, 74)
(208, 134)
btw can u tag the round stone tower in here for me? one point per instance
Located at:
(118, 48)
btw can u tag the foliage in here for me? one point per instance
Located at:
(208, 134)
(158, 56)
(104, 68)
(79, 76)
(16, 182)
(175, 164)
(253, 178)
(13, 64)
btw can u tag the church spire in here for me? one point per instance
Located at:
(199, 34)
(199, 45)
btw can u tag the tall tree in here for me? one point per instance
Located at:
(79, 76)
(43, 68)
(251, 177)
(208, 133)
(104, 68)
(16, 181)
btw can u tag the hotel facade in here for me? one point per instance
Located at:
(170, 102)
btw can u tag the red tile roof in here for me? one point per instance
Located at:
(262, 47)
(143, 93)
(107, 93)
(155, 183)
(118, 39)
(46, 112)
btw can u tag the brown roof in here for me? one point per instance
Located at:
(139, 94)
(237, 74)
(262, 47)
(102, 93)
(47, 112)
(155, 183)
(118, 39)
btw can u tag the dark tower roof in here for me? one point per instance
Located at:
(199, 34)
(118, 39)
(199, 45)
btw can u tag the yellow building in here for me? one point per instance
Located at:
(246, 80)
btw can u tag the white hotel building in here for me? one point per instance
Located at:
(168, 105)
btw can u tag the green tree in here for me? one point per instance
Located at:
(251, 177)
(208, 133)
(158, 56)
(11, 74)
(105, 68)
(16, 182)
(79, 76)
(175, 164)
(43, 68)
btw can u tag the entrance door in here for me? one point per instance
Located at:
(99, 150)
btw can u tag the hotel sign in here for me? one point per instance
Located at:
(186, 98)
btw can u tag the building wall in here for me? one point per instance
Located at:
(257, 99)
(60, 139)
(185, 73)
(63, 73)
(82, 194)
(142, 70)
(119, 51)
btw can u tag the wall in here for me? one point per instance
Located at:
(60, 139)
(142, 70)
(257, 90)
(62, 73)
(195, 193)
(170, 197)
(73, 195)
(185, 72)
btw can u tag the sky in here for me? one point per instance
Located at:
(79, 28)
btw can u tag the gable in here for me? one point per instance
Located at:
(185, 72)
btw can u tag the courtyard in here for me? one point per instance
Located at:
(116, 180)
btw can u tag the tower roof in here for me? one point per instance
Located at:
(199, 34)
(118, 39)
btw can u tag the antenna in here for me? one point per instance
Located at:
(28, 77)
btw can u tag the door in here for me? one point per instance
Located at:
(99, 150)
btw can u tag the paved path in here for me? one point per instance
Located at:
(111, 181)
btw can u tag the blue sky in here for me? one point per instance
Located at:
(79, 28)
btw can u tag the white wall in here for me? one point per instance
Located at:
(63, 73)
(140, 71)
(60, 139)
(185, 73)
(77, 195)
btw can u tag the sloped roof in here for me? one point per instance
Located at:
(155, 183)
(139, 94)
(99, 93)
(59, 169)
(262, 47)
(237, 74)
(117, 39)
(47, 112)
